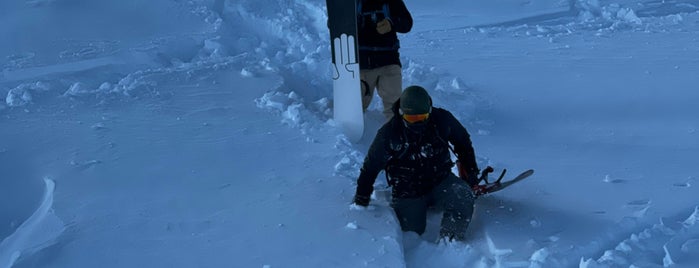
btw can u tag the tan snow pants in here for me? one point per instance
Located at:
(387, 80)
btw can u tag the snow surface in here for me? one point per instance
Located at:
(199, 133)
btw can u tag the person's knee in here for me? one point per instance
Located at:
(413, 225)
(462, 190)
(461, 202)
(411, 213)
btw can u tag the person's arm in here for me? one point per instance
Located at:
(463, 148)
(374, 162)
(400, 19)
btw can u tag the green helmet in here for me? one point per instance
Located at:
(415, 100)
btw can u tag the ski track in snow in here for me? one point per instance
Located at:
(39, 231)
(301, 102)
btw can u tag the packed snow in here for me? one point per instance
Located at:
(200, 133)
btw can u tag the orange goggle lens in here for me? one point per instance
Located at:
(414, 118)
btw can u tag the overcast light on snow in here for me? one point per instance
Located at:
(173, 133)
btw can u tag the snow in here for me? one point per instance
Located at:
(37, 231)
(200, 134)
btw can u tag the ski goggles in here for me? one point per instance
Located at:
(415, 118)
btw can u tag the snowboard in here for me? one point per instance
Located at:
(491, 187)
(347, 97)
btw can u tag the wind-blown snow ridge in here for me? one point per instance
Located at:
(131, 69)
(136, 84)
(39, 231)
(604, 17)
(663, 244)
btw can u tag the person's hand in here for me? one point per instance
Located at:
(361, 200)
(383, 26)
(478, 190)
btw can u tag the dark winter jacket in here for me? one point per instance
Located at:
(377, 50)
(416, 162)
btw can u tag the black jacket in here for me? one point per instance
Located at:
(377, 50)
(416, 163)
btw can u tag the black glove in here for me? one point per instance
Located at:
(361, 200)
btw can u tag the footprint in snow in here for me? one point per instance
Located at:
(685, 184)
(682, 185)
(640, 202)
(609, 179)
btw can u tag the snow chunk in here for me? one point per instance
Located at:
(667, 259)
(591, 10)
(494, 250)
(23, 94)
(623, 247)
(212, 48)
(80, 89)
(77, 89)
(290, 106)
(134, 82)
(456, 83)
(351, 159)
(692, 219)
(246, 73)
(538, 258)
(292, 114)
(105, 87)
(626, 15)
(352, 225)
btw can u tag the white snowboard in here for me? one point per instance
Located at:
(347, 94)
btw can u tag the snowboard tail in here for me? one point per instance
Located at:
(347, 99)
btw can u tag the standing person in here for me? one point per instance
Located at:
(413, 148)
(379, 61)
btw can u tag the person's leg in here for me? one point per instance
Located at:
(369, 79)
(411, 213)
(390, 87)
(456, 199)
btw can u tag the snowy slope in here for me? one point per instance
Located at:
(200, 133)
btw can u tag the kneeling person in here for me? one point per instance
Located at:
(413, 148)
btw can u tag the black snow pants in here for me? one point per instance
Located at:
(452, 196)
